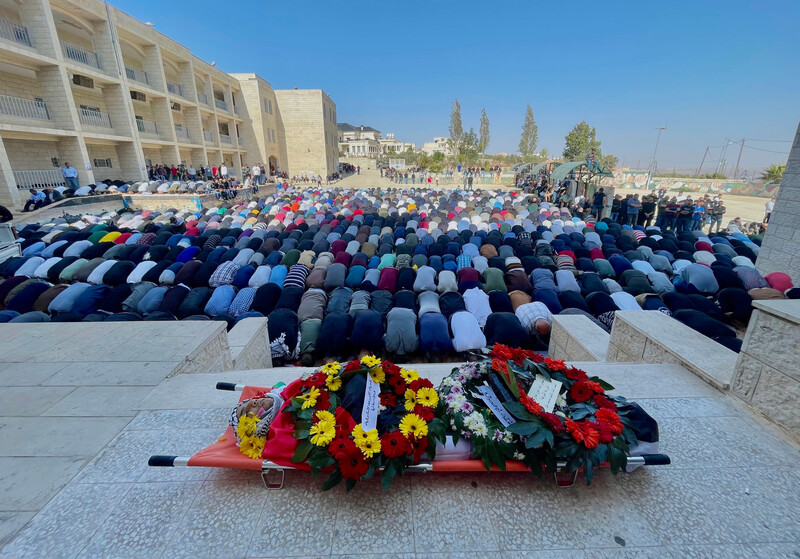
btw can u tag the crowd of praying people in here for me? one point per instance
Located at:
(409, 273)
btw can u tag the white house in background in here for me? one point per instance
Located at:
(438, 145)
(390, 145)
(358, 141)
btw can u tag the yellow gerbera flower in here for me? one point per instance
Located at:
(413, 426)
(323, 415)
(370, 361)
(246, 427)
(333, 383)
(322, 433)
(310, 398)
(252, 447)
(369, 447)
(409, 375)
(411, 399)
(360, 435)
(331, 368)
(427, 397)
(377, 374)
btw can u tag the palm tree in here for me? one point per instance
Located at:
(773, 173)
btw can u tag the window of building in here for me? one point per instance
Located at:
(95, 111)
(83, 81)
(270, 106)
(175, 106)
(138, 96)
(106, 163)
(55, 162)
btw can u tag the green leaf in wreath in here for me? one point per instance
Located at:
(537, 439)
(518, 410)
(588, 471)
(319, 458)
(606, 386)
(301, 452)
(301, 434)
(334, 480)
(349, 484)
(523, 428)
(388, 474)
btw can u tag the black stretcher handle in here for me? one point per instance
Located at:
(162, 461)
(656, 459)
(229, 386)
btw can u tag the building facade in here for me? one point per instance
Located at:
(309, 121)
(83, 82)
(438, 145)
(389, 145)
(358, 141)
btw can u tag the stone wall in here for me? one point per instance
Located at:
(767, 374)
(779, 250)
(309, 131)
(626, 178)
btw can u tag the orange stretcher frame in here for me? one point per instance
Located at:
(225, 454)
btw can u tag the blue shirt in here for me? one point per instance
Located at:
(69, 172)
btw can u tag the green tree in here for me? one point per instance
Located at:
(544, 154)
(470, 148)
(530, 134)
(580, 141)
(456, 129)
(483, 142)
(773, 174)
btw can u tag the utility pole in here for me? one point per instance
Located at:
(700, 168)
(738, 159)
(653, 161)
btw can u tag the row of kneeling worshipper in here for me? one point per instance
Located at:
(340, 271)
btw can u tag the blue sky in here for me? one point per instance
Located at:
(708, 70)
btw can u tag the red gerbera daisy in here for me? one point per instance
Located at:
(420, 383)
(340, 446)
(420, 447)
(353, 465)
(352, 366)
(576, 374)
(555, 364)
(395, 445)
(317, 379)
(400, 387)
(610, 417)
(424, 412)
(604, 431)
(602, 401)
(580, 392)
(388, 399)
(530, 404)
(552, 421)
(323, 401)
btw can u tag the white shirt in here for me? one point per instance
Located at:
(223, 170)
(769, 205)
(466, 332)
(191, 171)
(256, 170)
(477, 303)
(529, 313)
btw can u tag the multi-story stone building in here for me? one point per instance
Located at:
(438, 145)
(309, 122)
(389, 145)
(83, 82)
(358, 141)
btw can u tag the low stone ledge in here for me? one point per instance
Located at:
(576, 338)
(653, 337)
(249, 343)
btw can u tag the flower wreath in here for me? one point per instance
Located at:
(330, 440)
(586, 428)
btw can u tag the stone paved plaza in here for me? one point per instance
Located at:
(76, 434)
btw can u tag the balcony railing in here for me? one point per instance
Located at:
(137, 75)
(181, 132)
(236, 110)
(225, 139)
(203, 98)
(175, 88)
(14, 32)
(208, 136)
(220, 104)
(39, 179)
(23, 108)
(147, 127)
(94, 118)
(80, 54)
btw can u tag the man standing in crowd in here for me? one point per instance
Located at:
(598, 203)
(223, 171)
(256, 172)
(685, 215)
(768, 207)
(634, 205)
(717, 215)
(70, 176)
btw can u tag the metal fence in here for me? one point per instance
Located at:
(220, 104)
(203, 98)
(80, 54)
(14, 32)
(181, 132)
(94, 118)
(225, 139)
(208, 136)
(23, 108)
(39, 179)
(147, 127)
(175, 88)
(137, 75)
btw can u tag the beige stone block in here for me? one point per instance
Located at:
(746, 376)
(628, 339)
(774, 341)
(655, 353)
(776, 395)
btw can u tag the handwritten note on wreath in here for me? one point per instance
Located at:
(545, 392)
(369, 413)
(490, 398)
